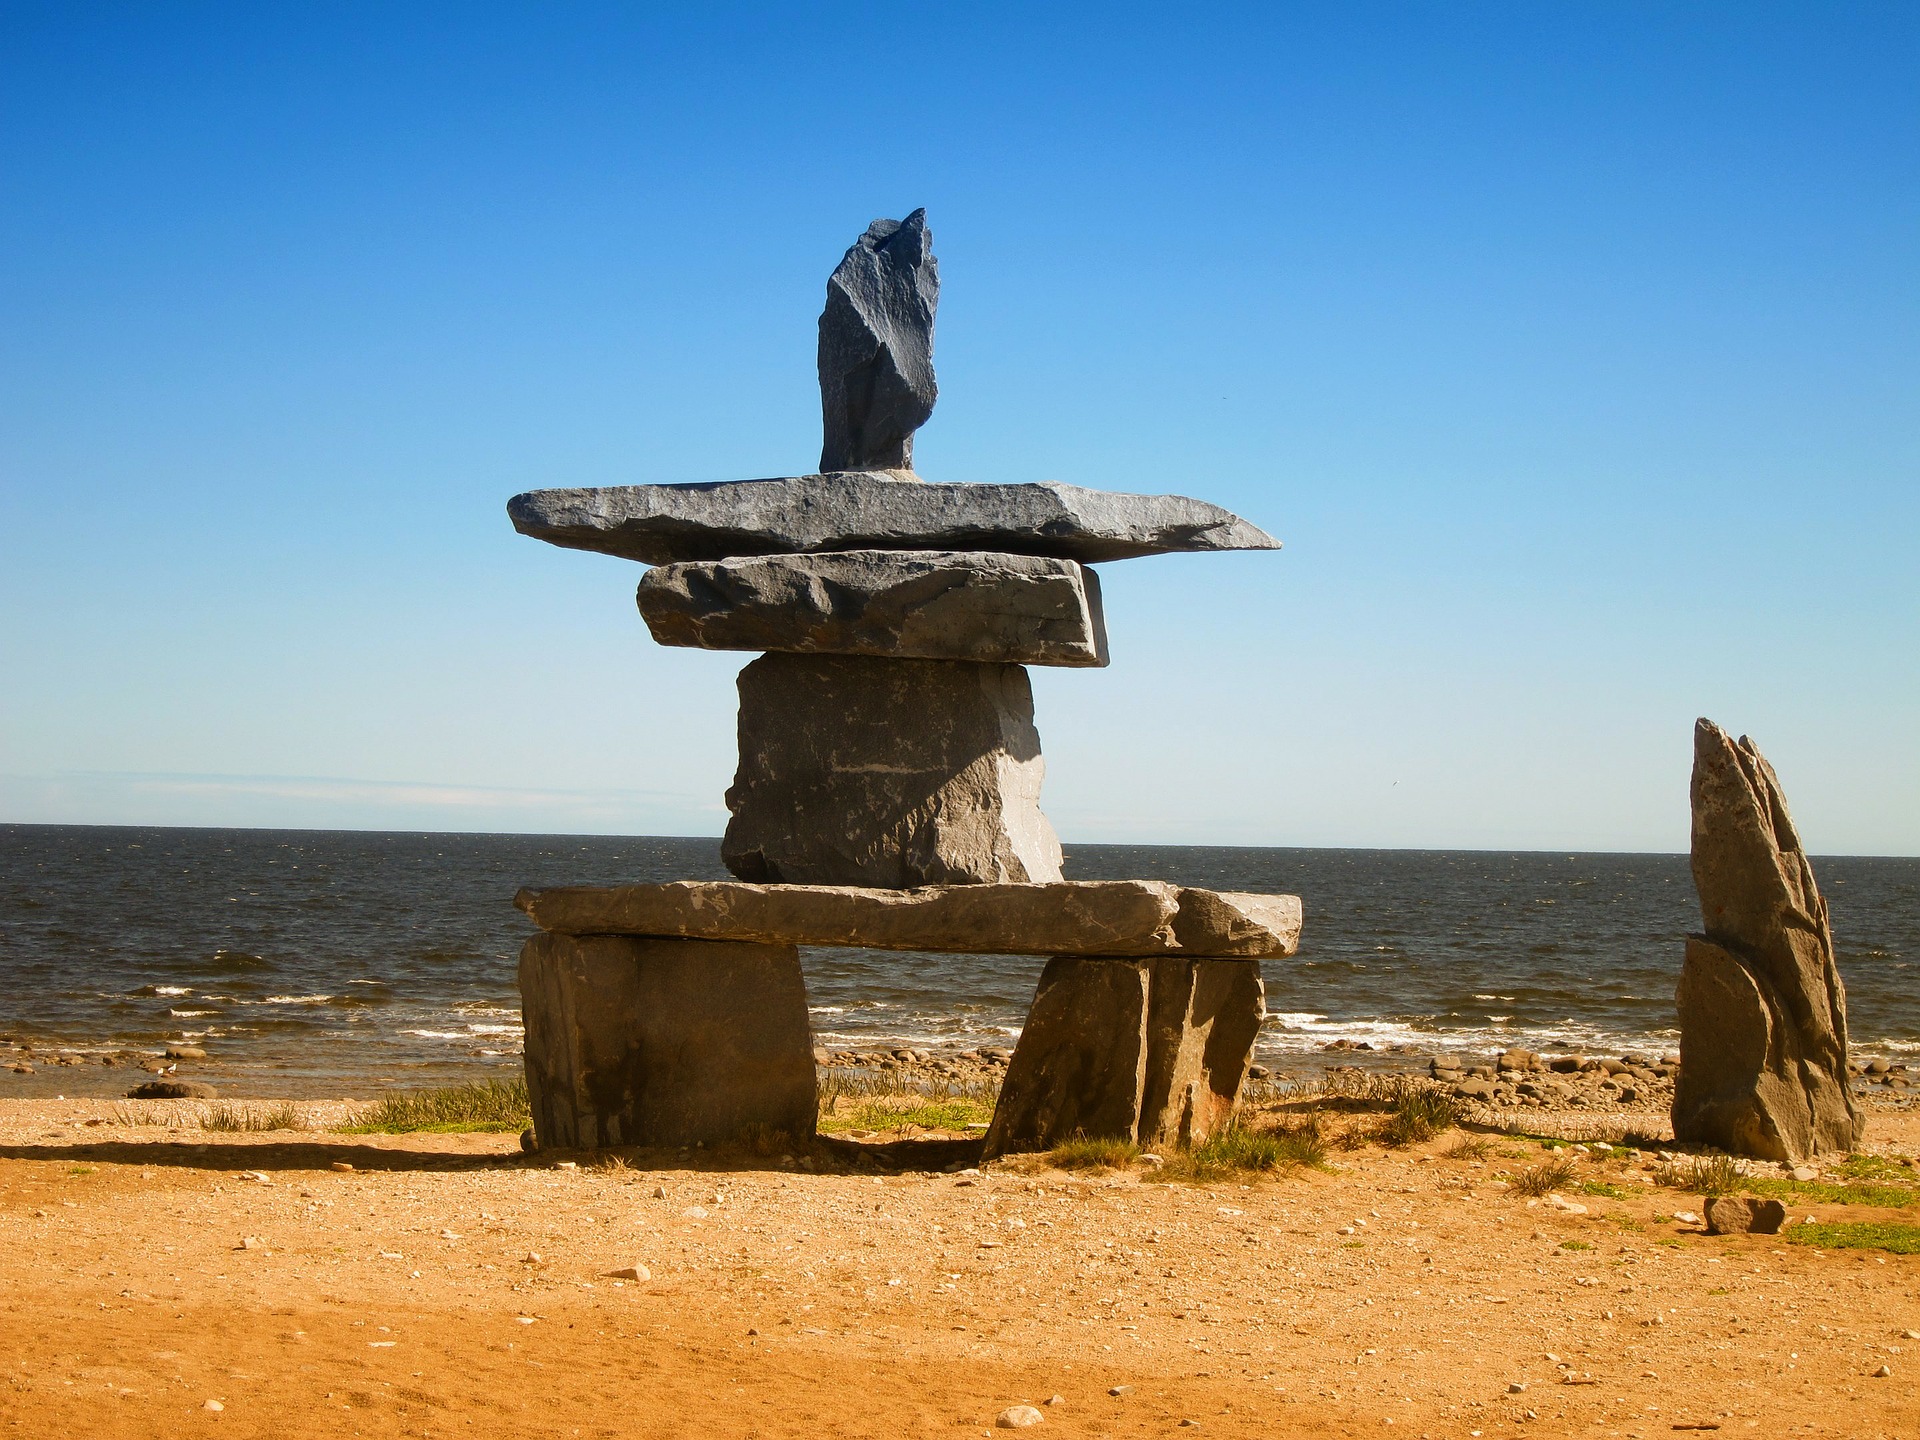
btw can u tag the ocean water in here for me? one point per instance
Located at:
(342, 962)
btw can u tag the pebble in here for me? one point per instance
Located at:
(1056, 1400)
(1018, 1417)
(1121, 1390)
(253, 1242)
(695, 1212)
(637, 1272)
(1804, 1173)
(1885, 1372)
(1910, 1334)
(1518, 1387)
(213, 1405)
(566, 1165)
(342, 1166)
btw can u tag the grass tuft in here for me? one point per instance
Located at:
(1886, 1235)
(1420, 1112)
(1706, 1175)
(1239, 1150)
(1546, 1177)
(1470, 1147)
(247, 1120)
(1085, 1152)
(490, 1105)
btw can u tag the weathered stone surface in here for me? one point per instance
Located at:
(1068, 917)
(1153, 1050)
(910, 604)
(1763, 1014)
(866, 510)
(1202, 1019)
(1744, 1215)
(859, 771)
(876, 347)
(664, 1042)
(172, 1090)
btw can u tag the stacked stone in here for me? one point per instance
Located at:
(888, 789)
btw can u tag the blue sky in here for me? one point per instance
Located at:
(1570, 349)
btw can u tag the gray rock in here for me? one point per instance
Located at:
(173, 1090)
(1068, 917)
(664, 1042)
(866, 510)
(861, 771)
(1744, 1215)
(185, 1052)
(1152, 1050)
(914, 604)
(1763, 1014)
(876, 347)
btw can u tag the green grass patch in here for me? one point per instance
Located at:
(490, 1105)
(1575, 1245)
(1604, 1189)
(1821, 1192)
(1084, 1152)
(892, 1113)
(80, 1170)
(1847, 1235)
(1469, 1147)
(1353, 1244)
(1242, 1151)
(1877, 1167)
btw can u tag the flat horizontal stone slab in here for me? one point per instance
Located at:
(899, 604)
(1069, 917)
(866, 510)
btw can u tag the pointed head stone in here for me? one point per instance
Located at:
(876, 347)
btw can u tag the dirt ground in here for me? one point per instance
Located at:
(447, 1285)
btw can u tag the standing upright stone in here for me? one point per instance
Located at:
(876, 347)
(1763, 1014)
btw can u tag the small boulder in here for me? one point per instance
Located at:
(185, 1052)
(1018, 1417)
(1744, 1215)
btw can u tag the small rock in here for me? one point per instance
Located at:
(1686, 1217)
(529, 1142)
(1018, 1417)
(252, 1242)
(1570, 1207)
(1056, 1400)
(1804, 1173)
(695, 1212)
(1885, 1372)
(639, 1272)
(1121, 1390)
(344, 1167)
(1740, 1215)
(1518, 1387)
(258, 1177)
(1258, 1072)
(566, 1165)
(1910, 1334)
(213, 1405)
(659, 1192)
(533, 1258)
(185, 1052)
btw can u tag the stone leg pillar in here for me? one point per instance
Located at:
(635, 1041)
(1152, 1049)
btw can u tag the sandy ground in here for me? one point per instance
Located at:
(450, 1286)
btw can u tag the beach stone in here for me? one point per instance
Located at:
(927, 604)
(895, 773)
(1067, 917)
(633, 1041)
(173, 1090)
(185, 1052)
(876, 347)
(1018, 1417)
(870, 510)
(1151, 1049)
(1744, 1215)
(1763, 1012)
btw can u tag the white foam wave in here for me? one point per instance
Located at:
(296, 999)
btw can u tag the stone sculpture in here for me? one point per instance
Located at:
(1763, 1014)
(889, 779)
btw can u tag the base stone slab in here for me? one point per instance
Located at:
(1153, 1050)
(646, 1042)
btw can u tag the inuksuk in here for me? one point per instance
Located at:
(888, 790)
